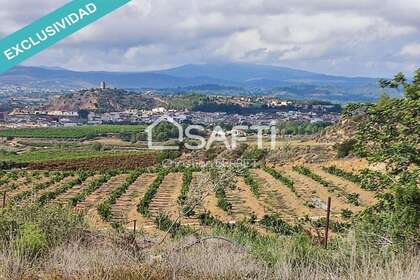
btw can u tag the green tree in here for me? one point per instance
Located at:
(390, 134)
(391, 131)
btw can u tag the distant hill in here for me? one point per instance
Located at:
(102, 101)
(271, 80)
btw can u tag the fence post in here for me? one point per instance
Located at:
(135, 226)
(327, 226)
(4, 199)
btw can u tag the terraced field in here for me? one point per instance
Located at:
(100, 194)
(64, 198)
(165, 199)
(286, 191)
(124, 210)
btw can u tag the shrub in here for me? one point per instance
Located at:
(374, 180)
(346, 213)
(254, 154)
(164, 223)
(277, 225)
(353, 198)
(344, 149)
(31, 239)
(33, 228)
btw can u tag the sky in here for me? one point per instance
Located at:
(374, 38)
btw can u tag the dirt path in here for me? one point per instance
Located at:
(312, 190)
(65, 197)
(124, 211)
(280, 198)
(366, 198)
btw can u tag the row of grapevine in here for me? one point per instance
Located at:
(222, 201)
(104, 208)
(281, 177)
(352, 198)
(93, 186)
(333, 170)
(143, 206)
(251, 182)
(185, 189)
(55, 178)
(48, 196)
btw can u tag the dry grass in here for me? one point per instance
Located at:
(109, 257)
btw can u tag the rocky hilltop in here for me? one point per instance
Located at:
(103, 100)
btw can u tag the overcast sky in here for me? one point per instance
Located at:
(344, 37)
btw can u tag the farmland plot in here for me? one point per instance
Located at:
(280, 198)
(366, 198)
(315, 195)
(165, 200)
(124, 210)
(64, 198)
(244, 203)
(101, 193)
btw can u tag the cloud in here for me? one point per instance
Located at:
(370, 37)
(411, 50)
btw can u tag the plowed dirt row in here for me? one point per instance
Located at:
(312, 190)
(165, 200)
(244, 203)
(195, 186)
(25, 187)
(100, 194)
(124, 211)
(279, 198)
(65, 197)
(55, 186)
(367, 198)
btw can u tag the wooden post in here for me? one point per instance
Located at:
(135, 226)
(4, 199)
(327, 226)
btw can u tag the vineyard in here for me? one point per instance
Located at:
(154, 197)
(71, 132)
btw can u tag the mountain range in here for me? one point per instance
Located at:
(241, 77)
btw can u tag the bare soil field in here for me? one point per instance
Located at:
(97, 164)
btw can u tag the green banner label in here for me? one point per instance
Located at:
(52, 28)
